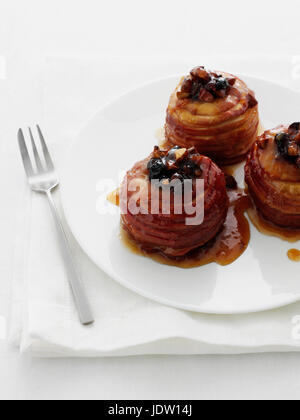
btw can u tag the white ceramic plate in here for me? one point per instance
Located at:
(125, 132)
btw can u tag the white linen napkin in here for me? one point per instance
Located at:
(44, 320)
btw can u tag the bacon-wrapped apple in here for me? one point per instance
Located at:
(272, 174)
(216, 113)
(168, 233)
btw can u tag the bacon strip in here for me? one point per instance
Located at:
(274, 182)
(169, 234)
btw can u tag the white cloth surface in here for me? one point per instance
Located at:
(44, 320)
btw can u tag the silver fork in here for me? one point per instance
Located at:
(44, 180)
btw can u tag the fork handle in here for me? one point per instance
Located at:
(80, 297)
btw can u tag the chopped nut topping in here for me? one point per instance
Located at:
(205, 86)
(180, 153)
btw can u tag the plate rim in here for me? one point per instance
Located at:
(114, 276)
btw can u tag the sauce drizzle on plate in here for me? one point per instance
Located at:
(224, 249)
(294, 255)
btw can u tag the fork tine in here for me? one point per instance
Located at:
(48, 159)
(25, 155)
(36, 154)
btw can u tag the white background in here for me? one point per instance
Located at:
(31, 29)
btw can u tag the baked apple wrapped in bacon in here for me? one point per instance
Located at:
(272, 174)
(216, 113)
(161, 181)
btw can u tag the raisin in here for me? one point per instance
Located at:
(221, 83)
(282, 141)
(156, 168)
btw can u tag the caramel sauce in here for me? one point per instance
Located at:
(224, 249)
(294, 255)
(268, 228)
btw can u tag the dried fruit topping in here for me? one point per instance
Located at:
(205, 96)
(177, 163)
(231, 80)
(156, 168)
(187, 85)
(205, 86)
(294, 130)
(201, 73)
(288, 144)
(231, 183)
